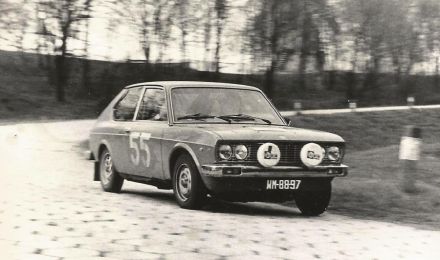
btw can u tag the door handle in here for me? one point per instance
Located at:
(127, 130)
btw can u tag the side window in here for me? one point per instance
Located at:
(153, 105)
(125, 108)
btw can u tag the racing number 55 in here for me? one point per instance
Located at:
(139, 152)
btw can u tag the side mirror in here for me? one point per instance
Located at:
(288, 121)
(115, 114)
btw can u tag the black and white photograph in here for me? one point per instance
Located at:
(219, 129)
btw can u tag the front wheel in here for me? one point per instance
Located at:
(111, 181)
(188, 187)
(314, 202)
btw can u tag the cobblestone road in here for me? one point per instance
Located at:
(50, 209)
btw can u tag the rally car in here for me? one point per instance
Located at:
(213, 139)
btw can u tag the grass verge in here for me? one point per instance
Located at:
(372, 189)
(368, 130)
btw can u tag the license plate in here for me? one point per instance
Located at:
(283, 184)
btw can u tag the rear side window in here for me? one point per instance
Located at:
(153, 105)
(124, 110)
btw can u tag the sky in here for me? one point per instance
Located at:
(121, 43)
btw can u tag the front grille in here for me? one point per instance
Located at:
(290, 152)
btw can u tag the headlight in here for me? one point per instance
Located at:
(225, 152)
(241, 152)
(334, 153)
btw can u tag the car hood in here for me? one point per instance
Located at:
(268, 133)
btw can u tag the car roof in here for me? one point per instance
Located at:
(200, 84)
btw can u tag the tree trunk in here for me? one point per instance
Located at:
(375, 72)
(268, 84)
(147, 73)
(351, 85)
(217, 50)
(302, 70)
(398, 76)
(408, 86)
(61, 68)
(320, 65)
(331, 80)
(51, 73)
(437, 74)
(61, 77)
(183, 44)
(86, 76)
(371, 78)
(305, 41)
(207, 41)
(220, 7)
(86, 62)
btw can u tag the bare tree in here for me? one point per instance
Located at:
(221, 15)
(59, 24)
(152, 21)
(85, 60)
(429, 17)
(162, 25)
(272, 35)
(141, 12)
(6, 13)
(402, 40)
(316, 19)
(182, 21)
(385, 31)
(207, 31)
(13, 23)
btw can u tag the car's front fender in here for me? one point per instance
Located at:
(201, 154)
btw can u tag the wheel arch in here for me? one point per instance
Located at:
(103, 145)
(179, 149)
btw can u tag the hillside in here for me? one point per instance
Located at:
(26, 90)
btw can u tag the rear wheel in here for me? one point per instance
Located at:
(111, 181)
(188, 187)
(314, 202)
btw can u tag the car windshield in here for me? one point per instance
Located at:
(222, 105)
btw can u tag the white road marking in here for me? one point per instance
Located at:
(362, 109)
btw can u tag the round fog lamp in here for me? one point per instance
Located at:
(333, 153)
(241, 152)
(312, 154)
(225, 152)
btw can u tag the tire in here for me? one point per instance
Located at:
(188, 187)
(314, 203)
(111, 181)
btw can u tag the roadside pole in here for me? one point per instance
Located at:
(409, 155)
(352, 104)
(410, 101)
(297, 106)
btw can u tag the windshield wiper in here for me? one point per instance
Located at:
(200, 116)
(195, 116)
(241, 117)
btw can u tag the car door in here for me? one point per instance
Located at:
(123, 115)
(146, 134)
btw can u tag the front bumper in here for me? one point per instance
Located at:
(245, 171)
